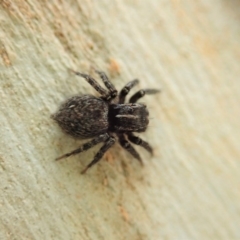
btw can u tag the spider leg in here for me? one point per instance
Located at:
(126, 145)
(93, 83)
(138, 141)
(139, 94)
(111, 140)
(86, 146)
(108, 84)
(126, 90)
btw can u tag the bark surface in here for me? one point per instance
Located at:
(189, 189)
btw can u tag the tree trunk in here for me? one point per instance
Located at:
(189, 189)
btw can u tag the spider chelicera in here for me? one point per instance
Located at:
(105, 118)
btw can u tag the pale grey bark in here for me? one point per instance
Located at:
(190, 188)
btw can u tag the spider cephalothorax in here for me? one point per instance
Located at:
(129, 117)
(105, 118)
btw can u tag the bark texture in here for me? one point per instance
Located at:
(190, 189)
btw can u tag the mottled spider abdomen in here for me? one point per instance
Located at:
(83, 116)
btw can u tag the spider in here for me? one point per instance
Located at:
(105, 118)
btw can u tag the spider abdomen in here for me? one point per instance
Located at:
(83, 116)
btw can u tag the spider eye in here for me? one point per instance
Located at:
(131, 110)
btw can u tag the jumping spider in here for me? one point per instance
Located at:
(104, 118)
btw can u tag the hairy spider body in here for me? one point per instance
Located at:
(83, 116)
(105, 118)
(129, 117)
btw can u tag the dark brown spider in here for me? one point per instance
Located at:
(105, 118)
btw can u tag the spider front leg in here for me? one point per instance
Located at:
(126, 145)
(86, 146)
(93, 83)
(108, 84)
(111, 140)
(139, 94)
(126, 89)
(138, 141)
